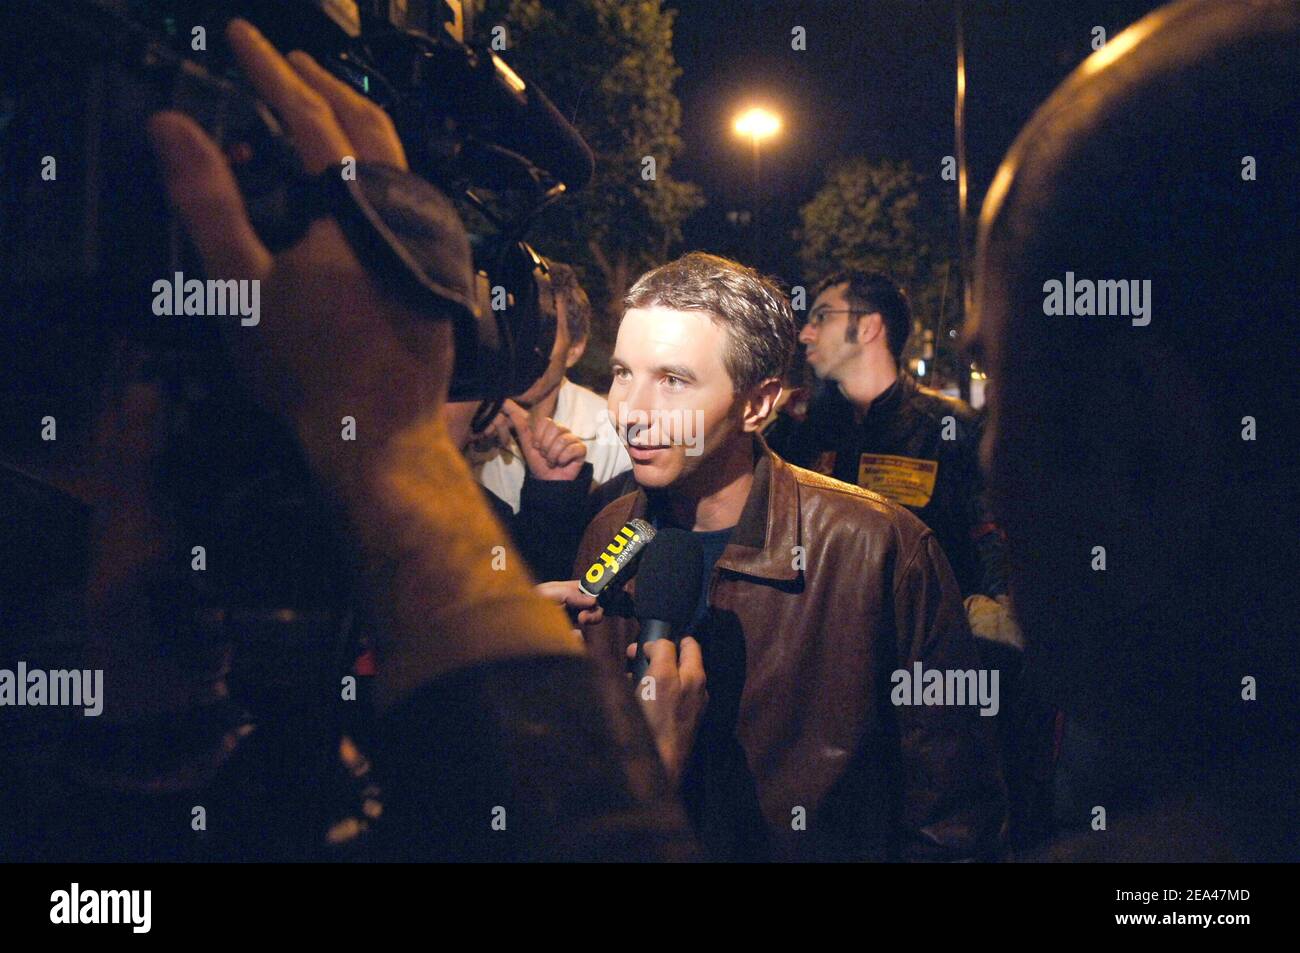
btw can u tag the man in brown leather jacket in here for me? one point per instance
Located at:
(822, 603)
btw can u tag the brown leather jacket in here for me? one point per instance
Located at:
(801, 754)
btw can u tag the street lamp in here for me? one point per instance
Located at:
(756, 124)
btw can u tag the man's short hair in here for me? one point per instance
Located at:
(869, 292)
(577, 306)
(755, 313)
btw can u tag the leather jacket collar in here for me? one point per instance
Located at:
(769, 526)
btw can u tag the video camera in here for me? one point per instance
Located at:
(88, 232)
(79, 77)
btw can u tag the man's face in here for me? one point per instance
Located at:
(671, 400)
(826, 335)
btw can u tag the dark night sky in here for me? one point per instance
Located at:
(877, 79)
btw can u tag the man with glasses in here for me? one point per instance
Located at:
(874, 426)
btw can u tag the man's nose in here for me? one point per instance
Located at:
(641, 395)
(807, 335)
(633, 404)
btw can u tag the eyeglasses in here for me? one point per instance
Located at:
(817, 317)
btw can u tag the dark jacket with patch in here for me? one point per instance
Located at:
(934, 440)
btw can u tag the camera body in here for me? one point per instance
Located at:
(85, 213)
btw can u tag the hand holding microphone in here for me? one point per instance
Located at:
(566, 593)
(673, 698)
(667, 590)
(669, 674)
(606, 576)
(667, 664)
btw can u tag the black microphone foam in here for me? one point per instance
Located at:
(670, 578)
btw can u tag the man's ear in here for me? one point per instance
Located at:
(870, 327)
(576, 350)
(759, 404)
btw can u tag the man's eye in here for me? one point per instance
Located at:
(621, 373)
(675, 382)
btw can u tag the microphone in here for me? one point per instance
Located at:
(667, 590)
(603, 579)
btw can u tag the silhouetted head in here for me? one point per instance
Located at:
(1155, 432)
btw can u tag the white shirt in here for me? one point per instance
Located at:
(583, 411)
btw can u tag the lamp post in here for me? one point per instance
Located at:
(964, 290)
(756, 124)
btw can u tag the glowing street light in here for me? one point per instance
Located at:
(756, 124)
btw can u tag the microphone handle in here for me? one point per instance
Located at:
(652, 630)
